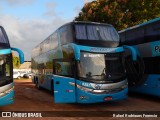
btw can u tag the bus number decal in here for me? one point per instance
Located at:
(86, 84)
(102, 49)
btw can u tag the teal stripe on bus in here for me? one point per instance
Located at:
(5, 51)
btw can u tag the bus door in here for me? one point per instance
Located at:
(64, 81)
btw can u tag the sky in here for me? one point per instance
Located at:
(29, 22)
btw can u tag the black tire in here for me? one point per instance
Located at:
(37, 85)
(52, 89)
(34, 80)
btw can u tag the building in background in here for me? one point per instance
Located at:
(25, 67)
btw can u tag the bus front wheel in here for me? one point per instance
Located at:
(52, 86)
(37, 85)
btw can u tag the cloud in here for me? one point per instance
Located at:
(51, 5)
(86, 1)
(77, 11)
(18, 2)
(27, 34)
(1, 8)
(50, 10)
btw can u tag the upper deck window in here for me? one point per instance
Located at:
(2, 37)
(96, 32)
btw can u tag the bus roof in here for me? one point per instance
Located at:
(89, 22)
(74, 22)
(85, 22)
(140, 25)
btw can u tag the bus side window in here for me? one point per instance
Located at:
(66, 35)
(63, 69)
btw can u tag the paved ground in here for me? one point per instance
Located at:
(28, 98)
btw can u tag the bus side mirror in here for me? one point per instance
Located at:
(21, 54)
(133, 51)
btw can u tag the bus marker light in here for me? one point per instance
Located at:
(69, 90)
(108, 98)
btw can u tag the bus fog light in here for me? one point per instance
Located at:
(2, 94)
(12, 98)
(82, 97)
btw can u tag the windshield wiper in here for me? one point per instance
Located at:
(89, 74)
(95, 75)
(92, 76)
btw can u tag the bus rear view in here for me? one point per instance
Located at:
(86, 63)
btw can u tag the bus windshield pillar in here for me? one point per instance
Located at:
(133, 51)
(77, 52)
(21, 54)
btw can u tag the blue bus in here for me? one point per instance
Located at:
(6, 69)
(143, 75)
(81, 63)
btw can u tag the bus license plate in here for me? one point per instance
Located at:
(109, 98)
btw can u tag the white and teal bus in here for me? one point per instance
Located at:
(143, 75)
(82, 63)
(6, 69)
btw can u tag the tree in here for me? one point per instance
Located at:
(16, 61)
(120, 13)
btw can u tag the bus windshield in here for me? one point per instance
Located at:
(101, 68)
(5, 66)
(96, 32)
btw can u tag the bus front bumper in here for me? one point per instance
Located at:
(86, 97)
(7, 99)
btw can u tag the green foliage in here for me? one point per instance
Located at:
(49, 65)
(16, 62)
(120, 13)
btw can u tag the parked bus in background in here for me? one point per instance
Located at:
(82, 63)
(144, 75)
(6, 69)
